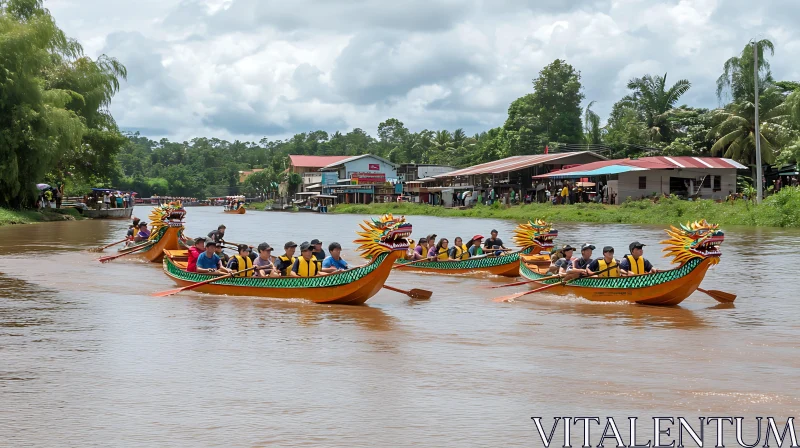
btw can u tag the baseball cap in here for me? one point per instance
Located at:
(636, 245)
(142, 224)
(587, 246)
(210, 242)
(305, 245)
(242, 247)
(290, 244)
(264, 246)
(567, 247)
(608, 249)
(315, 241)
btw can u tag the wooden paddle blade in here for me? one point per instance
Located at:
(421, 294)
(509, 298)
(719, 296)
(166, 293)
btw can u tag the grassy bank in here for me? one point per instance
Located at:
(10, 216)
(779, 210)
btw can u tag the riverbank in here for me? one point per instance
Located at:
(10, 216)
(779, 210)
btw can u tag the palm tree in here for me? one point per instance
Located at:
(737, 73)
(458, 137)
(443, 140)
(591, 125)
(734, 129)
(654, 101)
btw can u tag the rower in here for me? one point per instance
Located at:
(334, 261)
(305, 265)
(635, 263)
(222, 255)
(316, 250)
(494, 243)
(194, 252)
(459, 251)
(601, 264)
(561, 264)
(208, 262)
(440, 251)
(412, 247)
(421, 250)
(241, 261)
(475, 247)
(286, 261)
(580, 264)
(143, 233)
(265, 262)
(218, 235)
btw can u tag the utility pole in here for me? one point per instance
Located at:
(759, 182)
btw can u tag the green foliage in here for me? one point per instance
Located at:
(654, 101)
(53, 104)
(737, 81)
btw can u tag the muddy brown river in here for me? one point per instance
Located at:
(89, 358)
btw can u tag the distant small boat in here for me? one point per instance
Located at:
(108, 213)
(238, 211)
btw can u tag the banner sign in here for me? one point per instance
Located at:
(374, 167)
(368, 178)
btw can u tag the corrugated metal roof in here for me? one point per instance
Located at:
(350, 159)
(654, 163)
(513, 163)
(302, 161)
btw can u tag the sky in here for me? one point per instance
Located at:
(249, 69)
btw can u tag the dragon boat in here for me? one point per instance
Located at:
(534, 239)
(237, 211)
(694, 247)
(384, 239)
(166, 233)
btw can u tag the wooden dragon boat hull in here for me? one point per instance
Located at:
(351, 287)
(238, 211)
(153, 250)
(504, 265)
(665, 288)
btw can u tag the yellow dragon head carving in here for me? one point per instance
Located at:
(385, 234)
(697, 239)
(538, 235)
(166, 215)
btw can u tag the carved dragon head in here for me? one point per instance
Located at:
(385, 234)
(536, 235)
(694, 240)
(166, 215)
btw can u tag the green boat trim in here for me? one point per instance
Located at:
(633, 282)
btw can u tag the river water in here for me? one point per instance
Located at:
(88, 358)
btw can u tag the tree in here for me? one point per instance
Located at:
(557, 98)
(293, 181)
(734, 129)
(737, 80)
(654, 101)
(591, 125)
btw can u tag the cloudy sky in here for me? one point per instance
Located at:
(252, 68)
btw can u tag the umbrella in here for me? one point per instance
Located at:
(43, 186)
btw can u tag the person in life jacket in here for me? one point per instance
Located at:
(635, 263)
(241, 261)
(459, 250)
(439, 252)
(305, 265)
(412, 246)
(561, 264)
(420, 251)
(607, 265)
(475, 246)
(285, 262)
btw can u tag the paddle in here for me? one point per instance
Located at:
(413, 293)
(100, 249)
(195, 285)
(719, 296)
(523, 282)
(520, 294)
(113, 257)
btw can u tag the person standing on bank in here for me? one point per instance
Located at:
(635, 263)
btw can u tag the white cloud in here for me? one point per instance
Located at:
(249, 68)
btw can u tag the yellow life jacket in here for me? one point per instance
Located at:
(288, 262)
(637, 266)
(613, 272)
(411, 247)
(307, 268)
(441, 255)
(462, 252)
(244, 263)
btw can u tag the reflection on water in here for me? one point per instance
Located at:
(87, 353)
